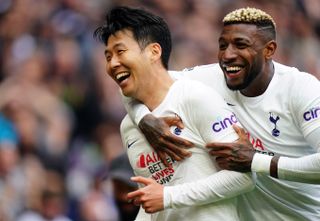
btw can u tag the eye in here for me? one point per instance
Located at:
(121, 51)
(223, 46)
(108, 57)
(241, 45)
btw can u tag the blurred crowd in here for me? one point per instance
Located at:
(61, 156)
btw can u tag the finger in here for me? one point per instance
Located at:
(220, 153)
(149, 209)
(182, 143)
(175, 153)
(218, 146)
(223, 163)
(142, 180)
(180, 125)
(174, 121)
(239, 130)
(163, 158)
(135, 194)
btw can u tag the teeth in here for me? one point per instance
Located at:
(235, 68)
(120, 75)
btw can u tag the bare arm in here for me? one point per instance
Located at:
(240, 156)
(157, 131)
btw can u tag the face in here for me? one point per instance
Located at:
(241, 55)
(126, 63)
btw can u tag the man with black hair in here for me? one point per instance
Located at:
(279, 107)
(138, 46)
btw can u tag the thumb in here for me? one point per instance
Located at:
(174, 121)
(239, 130)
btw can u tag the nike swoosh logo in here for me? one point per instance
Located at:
(130, 144)
(230, 104)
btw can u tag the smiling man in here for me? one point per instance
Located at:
(138, 46)
(279, 108)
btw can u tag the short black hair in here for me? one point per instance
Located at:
(146, 28)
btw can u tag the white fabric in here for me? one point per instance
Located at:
(143, 216)
(137, 110)
(192, 101)
(261, 163)
(301, 169)
(221, 185)
(295, 98)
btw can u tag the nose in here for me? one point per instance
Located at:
(111, 65)
(229, 53)
(114, 62)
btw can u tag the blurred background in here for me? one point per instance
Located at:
(61, 156)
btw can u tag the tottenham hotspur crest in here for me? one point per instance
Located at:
(274, 119)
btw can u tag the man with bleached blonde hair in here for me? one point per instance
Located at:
(279, 107)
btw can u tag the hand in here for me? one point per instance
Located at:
(235, 156)
(157, 133)
(149, 197)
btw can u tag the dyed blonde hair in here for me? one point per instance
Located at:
(250, 16)
(261, 19)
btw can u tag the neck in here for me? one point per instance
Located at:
(155, 89)
(260, 84)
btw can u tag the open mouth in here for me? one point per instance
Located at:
(232, 70)
(122, 76)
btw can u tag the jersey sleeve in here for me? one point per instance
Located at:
(305, 105)
(222, 185)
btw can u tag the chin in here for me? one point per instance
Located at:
(127, 93)
(236, 87)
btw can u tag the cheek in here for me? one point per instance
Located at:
(108, 69)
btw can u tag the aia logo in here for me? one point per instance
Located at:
(274, 120)
(147, 159)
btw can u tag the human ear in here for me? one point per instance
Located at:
(155, 51)
(270, 49)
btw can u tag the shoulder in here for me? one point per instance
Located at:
(293, 74)
(208, 68)
(300, 88)
(126, 124)
(191, 86)
(196, 91)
